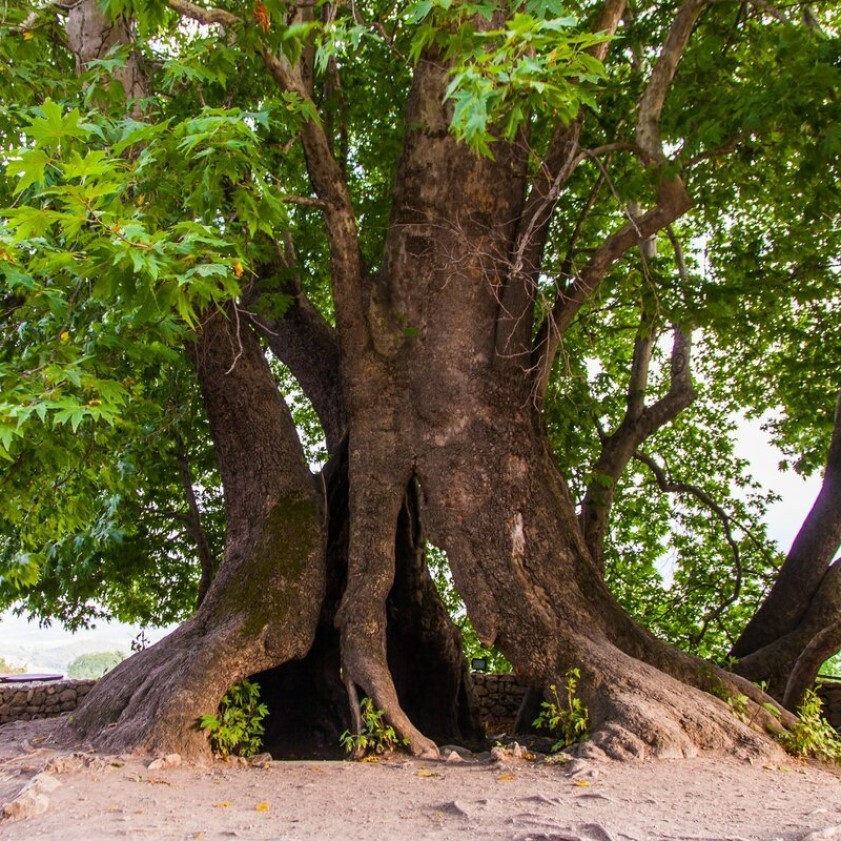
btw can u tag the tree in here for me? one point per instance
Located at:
(467, 231)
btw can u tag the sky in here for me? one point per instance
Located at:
(51, 649)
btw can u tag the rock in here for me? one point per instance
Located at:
(260, 760)
(829, 833)
(453, 807)
(43, 783)
(171, 760)
(514, 751)
(463, 752)
(454, 756)
(26, 805)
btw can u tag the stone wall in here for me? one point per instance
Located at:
(41, 700)
(499, 699)
(830, 693)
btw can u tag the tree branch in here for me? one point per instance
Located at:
(194, 523)
(202, 14)
(558, 165)
(638, 424)
(325, 173)
(673, 201)
(806, 563)
(668, 486)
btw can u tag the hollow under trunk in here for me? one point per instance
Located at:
(308, 703)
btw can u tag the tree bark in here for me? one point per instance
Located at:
(262, 607)
(450, 406)
(309, 707)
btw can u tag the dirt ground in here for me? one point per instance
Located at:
(72, 795)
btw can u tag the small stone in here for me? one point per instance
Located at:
(453, 807)
(454, 757)
(43, 783)
(25, 805)
(260, 760)
(171, 760)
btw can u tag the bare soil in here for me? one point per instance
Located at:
(74, 794)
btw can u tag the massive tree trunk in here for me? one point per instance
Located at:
(452, 403)
(441, 386)
(309, 706)
(263, 605)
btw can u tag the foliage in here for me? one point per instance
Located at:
(237, 728)
(8, 668)
(122, 222)
(812, 735)
(376, 737)
(566, 720)
(87, 666)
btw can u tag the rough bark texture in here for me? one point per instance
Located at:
(454, 406)
(91, 35)
(309, 707)
(440, 391)
(263, 605)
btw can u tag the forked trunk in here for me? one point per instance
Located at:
(263, 606)
(451, 401)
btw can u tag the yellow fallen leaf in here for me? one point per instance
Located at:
(223, 804)
(506, 777)
(371, 758)
(262, 807)
(581, 783)
(425, 773)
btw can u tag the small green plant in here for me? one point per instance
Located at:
(565, 720)
(812, 735)
(237, 728)
(739, 705)
(376, 736)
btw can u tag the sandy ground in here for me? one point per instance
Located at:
(78, 795)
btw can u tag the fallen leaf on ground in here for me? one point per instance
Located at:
(223, 804)
(506, 777)
(581, 783)
(262, 807)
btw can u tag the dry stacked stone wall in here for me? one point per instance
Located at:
(830, 694)
(24, 701)
(499, 699)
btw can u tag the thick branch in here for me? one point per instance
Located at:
(194, 524)
(821, 648)
(325, 173)
(307, 345)
(654, 97)
(202, 14)
(789, 664)
(806, 563)
(673, 201)
(558, 165)
(638, 424)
